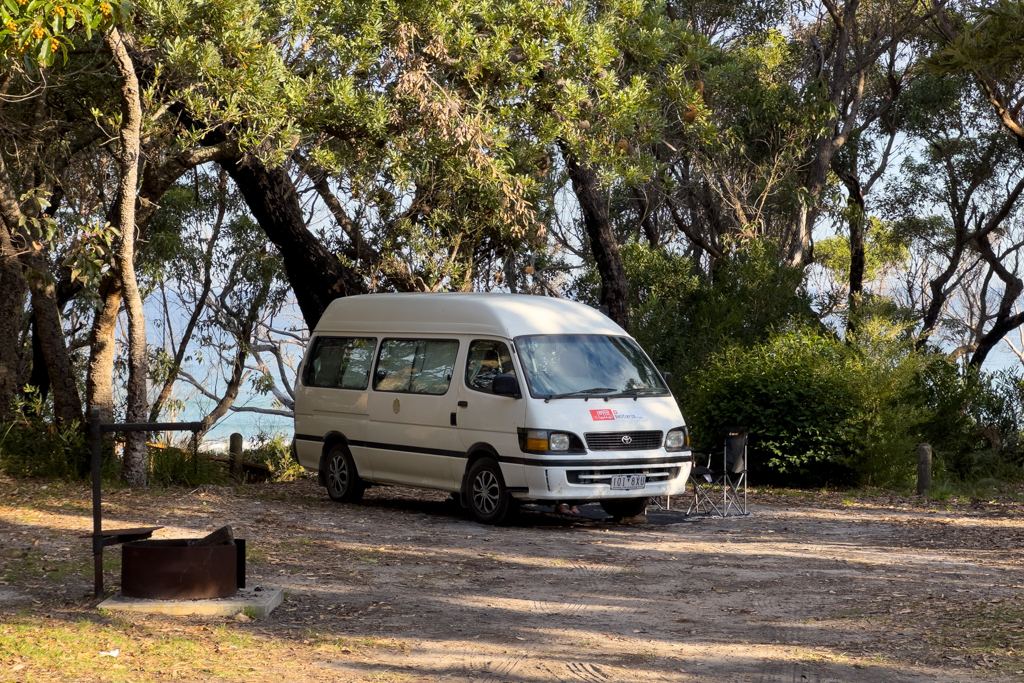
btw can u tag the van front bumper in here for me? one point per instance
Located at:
(590, 478)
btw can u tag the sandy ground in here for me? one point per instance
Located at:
(810, 587)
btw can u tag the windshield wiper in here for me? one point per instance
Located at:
(586, 393)
(637, 392)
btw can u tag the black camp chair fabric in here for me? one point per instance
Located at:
(717, 491)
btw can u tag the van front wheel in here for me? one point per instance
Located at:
(489, 501)
(625, 507)
(343, 482)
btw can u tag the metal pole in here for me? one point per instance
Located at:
(97, 512)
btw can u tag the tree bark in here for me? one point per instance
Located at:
(13, 289)
(614, 287)
(134, 463)
(316, 275)
(40, 375)
(67, 404)
(103, 348)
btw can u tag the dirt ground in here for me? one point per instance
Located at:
(811, 587)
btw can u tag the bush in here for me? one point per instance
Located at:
(820, 411)
(275, 451)
(682, 318)
(791, 394)
(33, 447)
(174, 466)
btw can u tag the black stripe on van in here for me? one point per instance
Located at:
(409, 449)
(514, 460)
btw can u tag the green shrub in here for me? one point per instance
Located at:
(820, 410)
(682, 318)
(275, 451)
(791, 394)
(34, 447)
(173, 466)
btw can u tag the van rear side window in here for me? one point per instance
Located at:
(415, 366)
(340, 362)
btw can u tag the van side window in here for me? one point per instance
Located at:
(486, 360)
(415, 366)
(340, 362)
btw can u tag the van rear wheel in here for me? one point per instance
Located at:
(489, 501)
(343, 482)
(625, 507)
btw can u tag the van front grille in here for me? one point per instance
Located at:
(603, 476)
(623, 441)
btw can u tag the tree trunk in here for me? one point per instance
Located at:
(316, 275)
(134, 464)
(646, 223)
(40, 375)
(614, 288)
(13, 289)
(857, 218)
(99, 390)
(67, 404)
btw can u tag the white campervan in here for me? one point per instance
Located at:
(498, 398)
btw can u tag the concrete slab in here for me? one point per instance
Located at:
(257, 602)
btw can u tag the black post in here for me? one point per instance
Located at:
(97, 512)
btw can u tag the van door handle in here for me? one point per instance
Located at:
(463, 404)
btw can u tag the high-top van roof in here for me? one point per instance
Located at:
(504, 315)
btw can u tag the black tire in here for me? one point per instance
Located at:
(625, 507)
(343, 482)
(489, 500)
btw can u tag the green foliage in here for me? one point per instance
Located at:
(172, 466)
(275, 451)
(844, 412)
(792, 394)
(34, 31)
(682, 319)
(885, 246)
(34, 447)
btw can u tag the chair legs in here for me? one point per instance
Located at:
(725, 496)
(701, 503)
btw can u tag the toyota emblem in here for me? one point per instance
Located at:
(627, 439)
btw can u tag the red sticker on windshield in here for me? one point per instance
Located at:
(603, 414)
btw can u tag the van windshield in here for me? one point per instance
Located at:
(582, 365)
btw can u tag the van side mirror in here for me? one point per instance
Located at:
(667, 376)
(506, 385)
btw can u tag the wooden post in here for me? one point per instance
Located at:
(924, 469)
(97, 503)
(237, 471)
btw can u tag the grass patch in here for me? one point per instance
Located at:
(989, 634)
(73, 649)
(357, 645)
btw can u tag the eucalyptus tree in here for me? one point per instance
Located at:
(958, 201)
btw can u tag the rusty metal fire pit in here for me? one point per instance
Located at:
(182, 569)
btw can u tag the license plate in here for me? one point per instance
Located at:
(626, 482)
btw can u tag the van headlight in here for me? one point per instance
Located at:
(549, 441)
(558, 441)
(677, 439)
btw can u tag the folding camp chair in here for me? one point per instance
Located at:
(718, 491)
